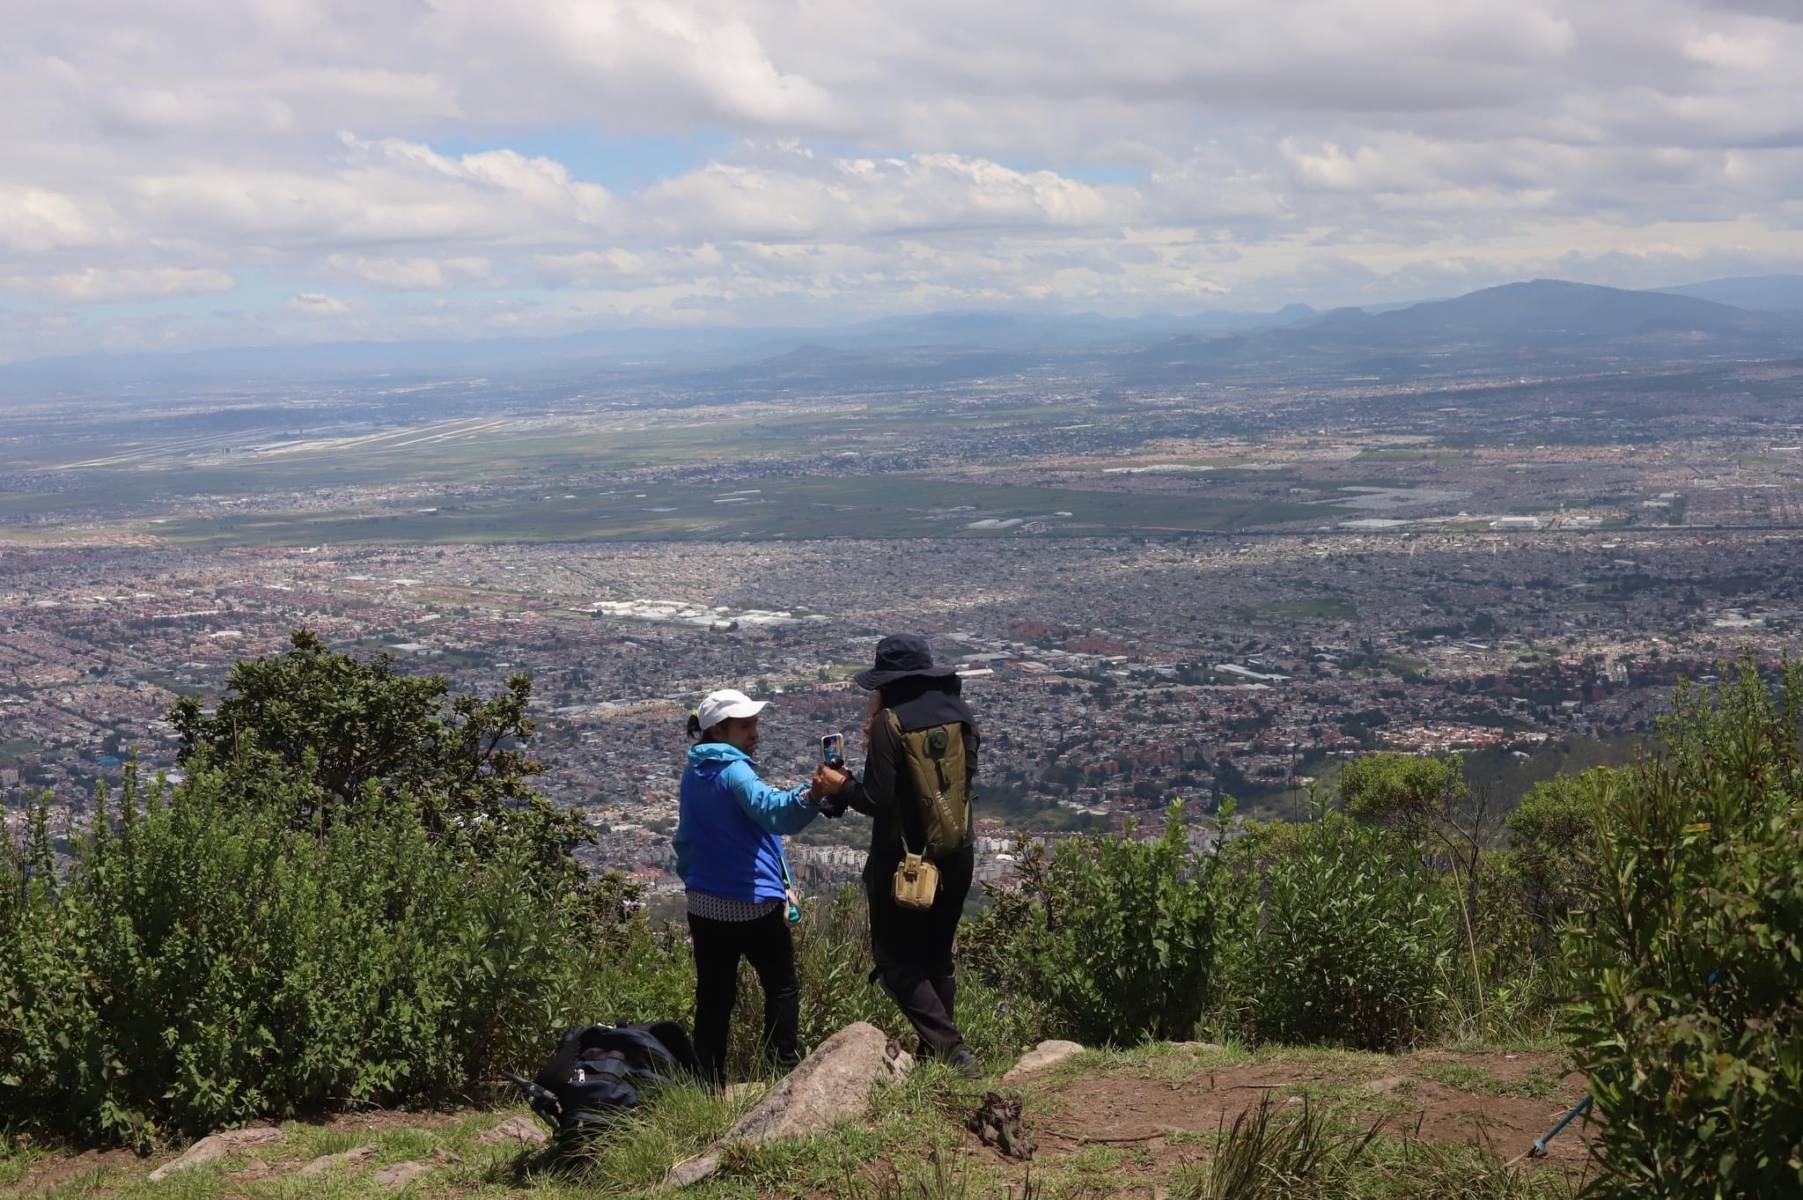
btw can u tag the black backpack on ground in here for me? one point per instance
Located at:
(599, 1070)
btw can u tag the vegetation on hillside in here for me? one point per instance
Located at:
(355, 897)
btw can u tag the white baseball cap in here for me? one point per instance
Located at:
(725, 704)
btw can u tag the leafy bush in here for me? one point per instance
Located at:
(204, 961)
(1551, 833)
(1115, 936)
(1335, 932)
(359, 731)
(1688, 958)
(1403, 791)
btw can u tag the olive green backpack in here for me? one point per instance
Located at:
(935, 759)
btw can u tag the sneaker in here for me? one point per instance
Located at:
(965, 1063)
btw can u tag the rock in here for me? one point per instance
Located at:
(217, 1146)
(328, 1162)
(1042, 1057)
(831, 1085)
(400, 1174)
(524, 1130)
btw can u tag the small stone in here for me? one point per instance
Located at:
(524, 1130)
(216, 1146)
(1042, 1057)
(329, 1162)
(400, 1174)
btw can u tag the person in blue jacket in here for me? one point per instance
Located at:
(729, 852)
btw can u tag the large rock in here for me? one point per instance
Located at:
(832, 1084)
(217, 1146)
(1042, 1057)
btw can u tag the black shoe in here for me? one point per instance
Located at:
(965, 1063)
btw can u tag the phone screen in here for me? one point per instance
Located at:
(832, 749)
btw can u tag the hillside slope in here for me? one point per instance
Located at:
(1137, 1122)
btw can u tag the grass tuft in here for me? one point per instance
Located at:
(1279, 1152)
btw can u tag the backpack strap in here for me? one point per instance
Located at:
(901, 826)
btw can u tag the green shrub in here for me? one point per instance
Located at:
(1403, 791)
(1335, 932)
(1115, 936)
(202, 961)
(1688, 957)
(358, 732)
(1551, 833)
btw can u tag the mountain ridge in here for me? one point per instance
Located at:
(1541, 315)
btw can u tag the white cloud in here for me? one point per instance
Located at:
(889, 155)
(36, 220)
(318, 304)
(408, 274)
(104, 285)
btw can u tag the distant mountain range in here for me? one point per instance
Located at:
(1514, 324)
(1545, 321)
(1767, 293)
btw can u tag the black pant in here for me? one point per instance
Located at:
(913, 948)
(718, 946)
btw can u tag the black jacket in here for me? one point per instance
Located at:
(886, 793)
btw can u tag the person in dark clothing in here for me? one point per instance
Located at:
(913, 948)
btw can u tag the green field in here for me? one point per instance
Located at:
(152, 474)
(891, 506)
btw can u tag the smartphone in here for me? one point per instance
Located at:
(832, 749)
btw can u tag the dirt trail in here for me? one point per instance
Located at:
(59, 1168)
(1163, 1110)
(1144, 1112)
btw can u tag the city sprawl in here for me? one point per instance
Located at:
(1155, 591)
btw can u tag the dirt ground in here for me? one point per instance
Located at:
(1142, 1116)
(1163, 1116)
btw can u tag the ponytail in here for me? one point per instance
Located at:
(694, 728)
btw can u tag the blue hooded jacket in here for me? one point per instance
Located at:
(727, 841)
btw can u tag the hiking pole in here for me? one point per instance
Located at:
(1538, 1149)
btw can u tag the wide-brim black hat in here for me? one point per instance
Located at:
(901, 656)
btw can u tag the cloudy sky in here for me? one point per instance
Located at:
(184, 173)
